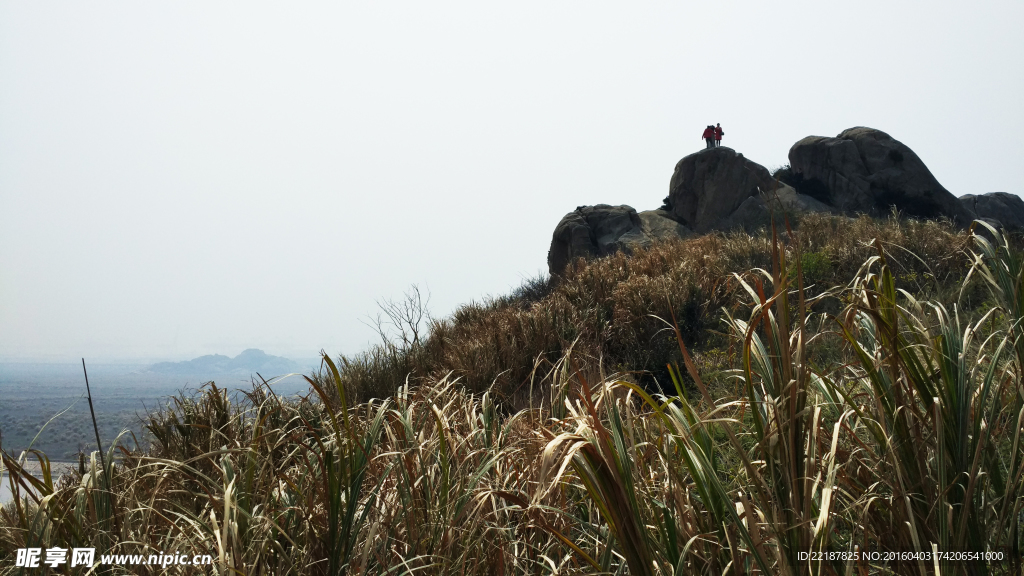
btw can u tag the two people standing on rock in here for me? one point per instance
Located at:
(713, 135)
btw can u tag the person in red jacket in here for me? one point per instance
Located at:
(718, 135)
(709, 136)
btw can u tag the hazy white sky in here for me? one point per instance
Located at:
(184, 178)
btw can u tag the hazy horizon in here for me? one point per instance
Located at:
(310, 359)
(200, 178)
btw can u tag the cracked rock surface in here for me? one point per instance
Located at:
(708, 186)
(1002, 209)
(864, 170)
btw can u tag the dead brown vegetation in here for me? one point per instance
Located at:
(612, 312)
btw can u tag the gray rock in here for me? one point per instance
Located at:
(593, 231)
(788, 200)
(658, 225)
(866, 170)
(708, 186)
(1000, 208)
(756, 212)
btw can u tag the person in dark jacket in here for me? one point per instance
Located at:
(718, 135)
(709, 136)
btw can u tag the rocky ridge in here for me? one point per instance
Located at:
(860, 171)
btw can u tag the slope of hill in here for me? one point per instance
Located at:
(842, 387)
(613, 311)
(852, 379)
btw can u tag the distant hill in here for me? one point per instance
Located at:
(248, 362)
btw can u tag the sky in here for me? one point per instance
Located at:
(187, 178)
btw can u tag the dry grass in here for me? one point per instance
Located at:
(914, 441)
(612, 311)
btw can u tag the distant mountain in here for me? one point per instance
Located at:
(248, 362)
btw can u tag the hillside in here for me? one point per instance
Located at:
(523, 434)
(613, 312)
(724, 396)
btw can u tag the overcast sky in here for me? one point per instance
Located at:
(186, 178)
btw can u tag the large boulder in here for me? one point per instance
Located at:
(1000, 208)
(866, 170)
(719, 189)
(594, 231)
(708, 186)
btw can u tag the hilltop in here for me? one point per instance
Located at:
(861, 171)
(618, 275)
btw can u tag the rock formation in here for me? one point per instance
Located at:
(719, 189)
(659, 224)
(1002, 209)
(710, 185)
(593, 231)
(862, 170)
(866, 170)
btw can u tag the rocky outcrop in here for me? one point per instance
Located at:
(1002, 209)
(719, 189)
(866, 170)
(862, 170)
(594, 231)
(708, 186)
(658, 224)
